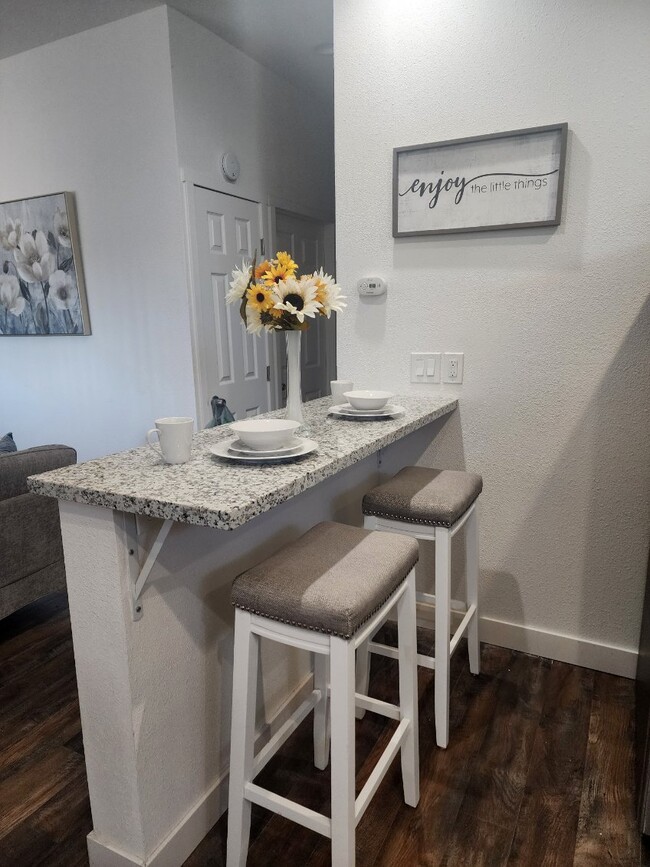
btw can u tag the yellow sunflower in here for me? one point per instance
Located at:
(261, 269)
(261, 297)
(280, 268)
(285, 261)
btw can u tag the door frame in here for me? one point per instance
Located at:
(189, 181)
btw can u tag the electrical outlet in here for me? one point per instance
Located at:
(452, 370)
(425, 367)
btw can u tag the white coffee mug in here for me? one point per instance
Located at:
(175, 438)
(338, 387)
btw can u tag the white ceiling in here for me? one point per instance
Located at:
(282, 34)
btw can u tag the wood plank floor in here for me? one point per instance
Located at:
(539, 770)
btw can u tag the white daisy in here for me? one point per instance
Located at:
(61, 228)
(62, 290)
(254, 323)
(328, 293)
(10, 234)
(34, 260)
(238, 284)
(10, 297)
(298, 297)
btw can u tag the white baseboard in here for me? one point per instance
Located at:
(186, 836)
(564, 648)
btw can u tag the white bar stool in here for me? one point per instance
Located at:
(327, 593)
(432, 505)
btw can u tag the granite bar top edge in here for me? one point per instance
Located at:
(51, 485)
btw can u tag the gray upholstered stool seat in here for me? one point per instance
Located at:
(419, 495)
(331, 580)
(326, 593)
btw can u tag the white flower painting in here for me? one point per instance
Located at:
(41, 281)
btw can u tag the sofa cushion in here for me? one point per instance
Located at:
(17, 466)
(7, 444)
(30, 536)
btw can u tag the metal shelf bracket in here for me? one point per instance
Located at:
(138, 574)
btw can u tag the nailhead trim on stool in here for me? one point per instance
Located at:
(307, 583)
(421, 495)
(325, 593)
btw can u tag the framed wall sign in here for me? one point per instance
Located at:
(506, 180)
(42, 288)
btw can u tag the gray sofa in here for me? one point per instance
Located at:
(31, 553)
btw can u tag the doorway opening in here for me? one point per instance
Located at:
(249, 372)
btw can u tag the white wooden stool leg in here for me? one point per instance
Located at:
(443, 626)
(363, 654)
(363, 674)
(242, 738)
(321, 712)
(471, 584)
(408, 690)
(342, 682)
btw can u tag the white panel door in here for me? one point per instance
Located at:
(232, 363)
(303, 238)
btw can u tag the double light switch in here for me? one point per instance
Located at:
(425, 367)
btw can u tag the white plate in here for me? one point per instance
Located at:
(241, 448)
(222, 450)
(344, 410)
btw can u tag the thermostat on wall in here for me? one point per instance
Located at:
(230, 166)
(371, 286)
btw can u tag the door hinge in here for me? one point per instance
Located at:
(262, 248)
(268, 373)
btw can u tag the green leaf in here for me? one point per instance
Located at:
(40, 317)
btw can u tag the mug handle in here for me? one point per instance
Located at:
(154, 430)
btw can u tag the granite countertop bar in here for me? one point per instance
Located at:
(214, 493)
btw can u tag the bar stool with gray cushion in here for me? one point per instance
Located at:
(326, 593)
(432, 505)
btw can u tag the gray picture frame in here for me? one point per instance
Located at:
(547, 144)
(56, 310)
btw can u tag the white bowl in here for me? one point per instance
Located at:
(265, 434)
(368, 399)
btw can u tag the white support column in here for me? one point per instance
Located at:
(443, 629)
(242, 738)
(471, 585)
(343, 752)
(99, 594)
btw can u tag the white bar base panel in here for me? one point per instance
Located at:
(563, 648)
(187, 835)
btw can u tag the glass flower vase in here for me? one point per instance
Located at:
(294, 386)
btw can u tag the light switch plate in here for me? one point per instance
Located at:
(452, 367)
(425, 367)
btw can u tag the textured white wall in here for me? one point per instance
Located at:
(553, 323)
(224, 100)
(93, 113)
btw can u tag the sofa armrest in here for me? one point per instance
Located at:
(30, 536)
(16, 466)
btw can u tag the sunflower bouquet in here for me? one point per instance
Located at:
(273, 297)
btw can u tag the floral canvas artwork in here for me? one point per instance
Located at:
(41, 280)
